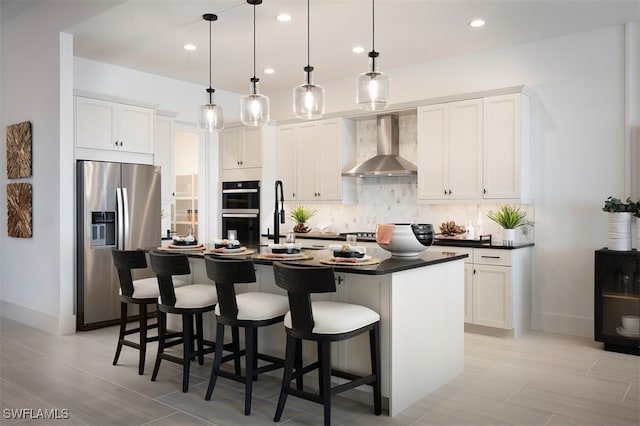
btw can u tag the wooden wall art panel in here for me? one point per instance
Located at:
(19, 150)
(19, 210)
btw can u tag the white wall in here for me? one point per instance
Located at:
(577, 91)
(35, 273)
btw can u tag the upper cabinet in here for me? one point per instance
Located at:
(310, 157)
(475, 149)
(450, 151)
(241, 148)
(114, 126)
(507, 147)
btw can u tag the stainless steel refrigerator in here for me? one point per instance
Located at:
(117, 205)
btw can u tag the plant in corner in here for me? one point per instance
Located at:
(620, 214)
(509, 218)
(301, 215)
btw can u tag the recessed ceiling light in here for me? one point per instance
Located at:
(190, 47)
(476, 23)
(269, 70)
(358, 49)
(283, 17)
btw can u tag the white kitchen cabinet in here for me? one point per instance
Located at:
(163, 157)
(498, 289)
(241, 148)
(310, 157)
(450, 151)
(114, 126)
(506, 145)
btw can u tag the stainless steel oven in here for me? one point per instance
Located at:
(241, 210)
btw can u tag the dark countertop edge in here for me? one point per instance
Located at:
(387, 265)
(443, 243)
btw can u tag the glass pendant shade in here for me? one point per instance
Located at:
(254, 108)
(372, 92)
(308, 100)
(210, 118)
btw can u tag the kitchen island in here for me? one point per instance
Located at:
(421, 304)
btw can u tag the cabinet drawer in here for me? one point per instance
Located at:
(492, 257)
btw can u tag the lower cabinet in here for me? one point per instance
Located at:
(498, 289)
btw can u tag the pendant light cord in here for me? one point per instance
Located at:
(254, 41)
(308, 35)
(373, 25)
(210, 71)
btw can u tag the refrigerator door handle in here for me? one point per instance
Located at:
(125, 214)
(120, 219)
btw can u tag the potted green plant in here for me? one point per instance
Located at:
(301, 215)
(620, 214)
(509, 218)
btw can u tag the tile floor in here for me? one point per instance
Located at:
(539, 379)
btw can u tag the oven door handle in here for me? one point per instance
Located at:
(239, 191)
(240, 215)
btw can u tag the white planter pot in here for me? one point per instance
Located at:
(509, 237)
(619, 231)
(638, 233)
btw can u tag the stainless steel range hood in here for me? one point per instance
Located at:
(388, 161)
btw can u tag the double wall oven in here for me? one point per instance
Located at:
(241, 210)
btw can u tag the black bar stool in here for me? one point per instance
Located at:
(323, 322)
(251, 311)
(188, 301)
(142, 292)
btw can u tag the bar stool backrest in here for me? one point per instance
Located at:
(300, 282)
(165, 265)
(125, 261)
(226, 273)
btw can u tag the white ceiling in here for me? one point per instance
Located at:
(148, 35)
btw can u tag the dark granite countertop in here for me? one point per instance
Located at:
(438, 242)
(387, 264)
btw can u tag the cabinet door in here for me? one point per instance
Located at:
(468, 293)
(433, 133)
(464, 153)
(492, 296)
(308, 163)
(251, 147)
(95, 124)
(136, 129)
(328, 159)
(502, 146)
(229, 148)
(286, 160)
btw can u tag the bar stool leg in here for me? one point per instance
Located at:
(123, 328)
(199, 338)
(298, 364)
(162, 332)
(250, 353)
(325, 373)
(290, 353)
(374, 343)
(235, 339)
(187, 345)
(217, 360)
(143, 338)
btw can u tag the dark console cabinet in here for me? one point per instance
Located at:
(617, 294)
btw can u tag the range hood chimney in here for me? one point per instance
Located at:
(388, 161)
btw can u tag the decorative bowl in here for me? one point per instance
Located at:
(409, 239)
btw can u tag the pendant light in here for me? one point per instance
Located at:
(210, 117)
(254, 107)
(308, 98)
(372, 91)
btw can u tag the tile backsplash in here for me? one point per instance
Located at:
(394, 199)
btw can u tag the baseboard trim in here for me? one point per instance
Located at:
(563, 324)
(52, 324)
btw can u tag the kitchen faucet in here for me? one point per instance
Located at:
(278, 213)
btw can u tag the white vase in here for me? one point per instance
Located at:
(509, 237)
(619, 231)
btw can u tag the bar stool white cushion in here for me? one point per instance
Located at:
(337, 318)
(195, 296)
(258, 306)
(147, 288)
